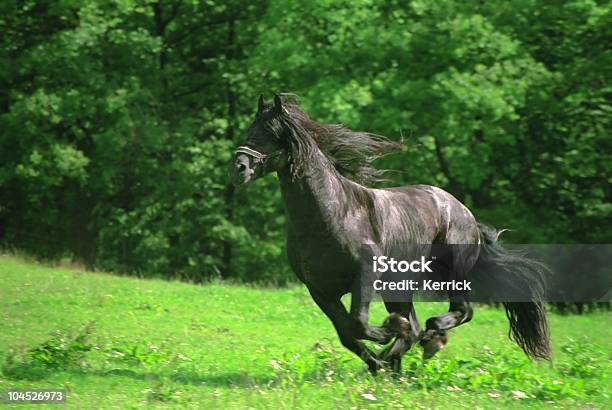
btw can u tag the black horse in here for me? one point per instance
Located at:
(336, 225)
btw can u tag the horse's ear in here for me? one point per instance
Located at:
(278, 104)
(260, 103)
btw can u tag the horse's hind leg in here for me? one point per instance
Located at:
(459, 312)
(435, 337)
(407, 337)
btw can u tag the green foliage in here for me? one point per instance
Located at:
(62, 351)
(583, 363)
(118, 119)
(145, 354)
(502, 375)
(487, 93)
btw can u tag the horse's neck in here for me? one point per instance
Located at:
(313, 199)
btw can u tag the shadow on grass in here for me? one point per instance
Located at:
(229, 379)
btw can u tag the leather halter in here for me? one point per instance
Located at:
(258, 156)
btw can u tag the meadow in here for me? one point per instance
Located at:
(122, 342)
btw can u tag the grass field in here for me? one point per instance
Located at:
(117, 342)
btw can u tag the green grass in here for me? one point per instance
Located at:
(129, 343)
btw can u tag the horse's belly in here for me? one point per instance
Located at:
(326, 269)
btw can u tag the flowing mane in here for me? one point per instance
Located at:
(351, 153)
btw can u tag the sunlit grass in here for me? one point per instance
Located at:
(116, 341)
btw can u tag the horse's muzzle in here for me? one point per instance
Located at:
(242, 173)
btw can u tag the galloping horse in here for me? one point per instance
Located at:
(336, 225)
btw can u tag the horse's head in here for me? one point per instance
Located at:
(264, 150)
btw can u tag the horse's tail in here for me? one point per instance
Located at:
(526, 278)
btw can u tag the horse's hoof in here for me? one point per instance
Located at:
(374, 365)
(397, 324)
(385, 355)
(396, 366)
(432, 341)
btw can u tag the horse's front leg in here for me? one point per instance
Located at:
(360, 311)
(362, 295)
(347, 328)
(405, 340)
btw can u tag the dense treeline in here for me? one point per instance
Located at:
(118, 119)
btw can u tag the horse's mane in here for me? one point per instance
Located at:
(351, 153)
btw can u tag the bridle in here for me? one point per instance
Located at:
(256, 155)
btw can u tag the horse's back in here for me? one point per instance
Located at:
(435, 215)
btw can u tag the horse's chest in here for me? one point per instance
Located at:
(321, 261)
